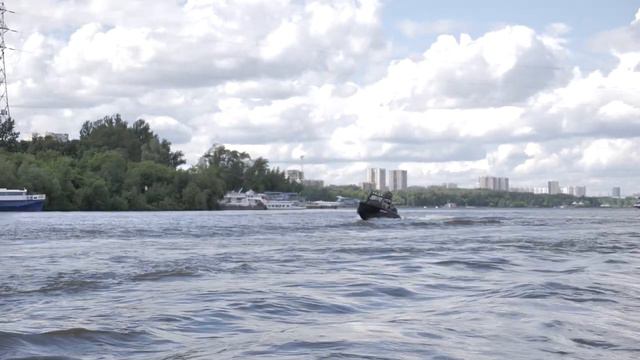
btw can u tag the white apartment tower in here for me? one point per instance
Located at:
(493, 183)
(615, 192)
(295, 175)
(398, 180)
(377, 177)
(554, 187)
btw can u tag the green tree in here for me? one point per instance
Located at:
(8, 134)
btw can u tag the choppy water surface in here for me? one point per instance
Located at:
(437, 284)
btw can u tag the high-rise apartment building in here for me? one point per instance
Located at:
(493, 183)
(378, 177)
(615, 192)
(581, 191)
(295, 175)
(554, 187)
(397, 180)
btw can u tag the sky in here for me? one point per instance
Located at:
(450, 91)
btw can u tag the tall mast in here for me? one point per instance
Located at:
(5, 114)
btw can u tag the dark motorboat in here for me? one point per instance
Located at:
(378, 205)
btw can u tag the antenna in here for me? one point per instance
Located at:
(5, 114)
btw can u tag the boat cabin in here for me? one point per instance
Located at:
(384, 200)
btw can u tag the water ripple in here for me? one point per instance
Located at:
(436, 284)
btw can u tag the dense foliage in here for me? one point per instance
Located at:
(117, 166)
(439, 196)
(329, 193)
(8, 134)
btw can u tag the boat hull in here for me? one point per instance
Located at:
(367, 212)
(241, 207)
(22, 205)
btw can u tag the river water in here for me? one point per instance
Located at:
(321, 284)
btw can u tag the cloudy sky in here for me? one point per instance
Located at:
(447, 90)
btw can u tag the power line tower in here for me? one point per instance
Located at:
(5, 114)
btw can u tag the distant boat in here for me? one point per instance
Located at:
(283, 201)
(378, 206)
(341, 202)
(285, 205)
(243, 201)
(347, 202)
(18, 200)
(322, 205)
(637, 204)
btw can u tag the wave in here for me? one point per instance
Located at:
(594, 343)
(494, 264)
(71, 334)
(380, 291)
(153, 275)
(292, 305)
(427, 222)
(43, 358)
(63, 283)
(472, 221)
(558, 290)
(80, 340)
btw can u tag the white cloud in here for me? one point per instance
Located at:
(169, 128)
(414, 29)
(622, 39)
(285, 78)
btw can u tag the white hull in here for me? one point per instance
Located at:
(284, 205)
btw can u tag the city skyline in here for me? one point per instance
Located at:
(448, 91)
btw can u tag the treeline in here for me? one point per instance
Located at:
(120, 166)
(331, 192)
(439, 196)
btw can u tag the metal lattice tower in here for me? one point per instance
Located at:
(5, 114)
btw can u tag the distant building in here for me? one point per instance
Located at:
(568, 190)
(313, 183)
(541, 190)
(450, 185)
(493, 183)
(377, 177)
(397, 180)
(368, 186)
(615, 192)
(554, 187)
(55, 136)
(580, 191)
(295, 175)
(522, 189)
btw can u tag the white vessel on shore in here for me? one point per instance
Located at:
(285, 205)
(19, 200)
(250, 200)
(345, 202)
(284, 201)
(243, 201)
